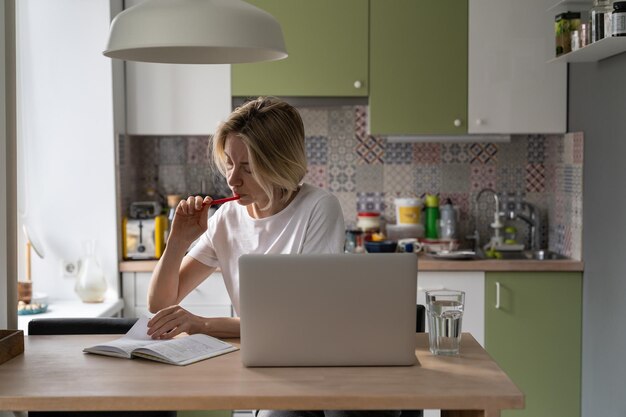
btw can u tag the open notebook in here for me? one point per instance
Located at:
(178, 351)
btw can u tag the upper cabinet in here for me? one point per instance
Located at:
(418, 67)
(512, 86)
(174, 99)
(327, 42)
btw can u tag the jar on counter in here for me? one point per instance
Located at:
(368, 221)
(619, 18)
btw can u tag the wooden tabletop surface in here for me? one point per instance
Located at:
(54, 374)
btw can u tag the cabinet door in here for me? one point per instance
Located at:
(175, 99)
(327, 43)
(512, 87)
(535, 336)
(418, 67)
(209, 299)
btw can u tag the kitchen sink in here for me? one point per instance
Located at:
(528, 255)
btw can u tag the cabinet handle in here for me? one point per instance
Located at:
(480, 122)
(358, 84)
(458, 122)
(497, 295)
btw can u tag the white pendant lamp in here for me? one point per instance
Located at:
(195, 32)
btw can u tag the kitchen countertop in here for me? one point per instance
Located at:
(429, 264)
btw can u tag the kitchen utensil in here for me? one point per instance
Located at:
(91, 284)
(438, 245)
(445, 316)
(453, 255)
(404, 231)
(382, 246)
(410, 245)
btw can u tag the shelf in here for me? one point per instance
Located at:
(596, 51)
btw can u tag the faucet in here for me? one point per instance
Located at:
(515, 207)
(497, 225)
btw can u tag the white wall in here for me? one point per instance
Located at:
(3, 181)
(65, 125)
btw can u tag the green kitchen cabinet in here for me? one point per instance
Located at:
(533, 329)
(418, 67)
(327, 43)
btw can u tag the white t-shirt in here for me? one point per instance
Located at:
(311, 223)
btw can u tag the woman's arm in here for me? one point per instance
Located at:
(174, 320)
(170, 318)
(175, 276)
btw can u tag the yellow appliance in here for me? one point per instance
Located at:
(144, 238)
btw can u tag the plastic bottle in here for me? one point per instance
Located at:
(432, 216)
(447, 223)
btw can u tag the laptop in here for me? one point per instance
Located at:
(328, 310)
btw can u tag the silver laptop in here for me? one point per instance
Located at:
(328, 310)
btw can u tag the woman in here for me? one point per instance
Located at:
(260, 150)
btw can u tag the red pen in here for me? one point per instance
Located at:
(223, 200)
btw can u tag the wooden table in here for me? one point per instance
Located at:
(53, 374)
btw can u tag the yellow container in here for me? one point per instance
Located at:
(408, 211)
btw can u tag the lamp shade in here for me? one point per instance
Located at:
(195, 32)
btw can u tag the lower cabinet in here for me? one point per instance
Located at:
(472, 283)
(209, 299)
(533, 329)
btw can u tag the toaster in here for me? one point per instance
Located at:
(143, 238)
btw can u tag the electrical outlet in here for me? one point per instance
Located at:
(69, 269)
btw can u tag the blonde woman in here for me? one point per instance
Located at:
(260, 150)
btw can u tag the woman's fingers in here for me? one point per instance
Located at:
(169, 322)
(193, 204)
(198, 203)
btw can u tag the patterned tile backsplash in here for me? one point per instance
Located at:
(368, 172)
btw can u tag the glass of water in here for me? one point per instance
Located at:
(444, 309)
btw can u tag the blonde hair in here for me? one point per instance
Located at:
(273, 133)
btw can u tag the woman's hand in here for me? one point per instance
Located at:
(190, 219)
(172, 321)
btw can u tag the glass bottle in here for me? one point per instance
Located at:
(91, 283)
(600, 19)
